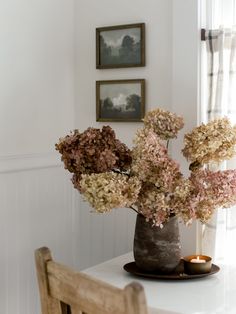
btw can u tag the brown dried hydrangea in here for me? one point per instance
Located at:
(164, 123)
(105, 191)
(93, 151)
(211, 142)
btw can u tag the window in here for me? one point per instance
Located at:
(219, 99)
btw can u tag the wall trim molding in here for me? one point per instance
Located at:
(14, 163)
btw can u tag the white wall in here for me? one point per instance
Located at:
(36, 107)
(185, 93)
(36, 74)
(157, 15)
(36, 210)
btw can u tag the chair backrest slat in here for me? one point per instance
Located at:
(72, 288)
(84, 294)
(49, 305)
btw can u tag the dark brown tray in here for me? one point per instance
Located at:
(178, 274)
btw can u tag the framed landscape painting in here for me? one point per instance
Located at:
(120, 100)
(120, 46)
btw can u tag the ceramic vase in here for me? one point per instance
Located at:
(157, 249)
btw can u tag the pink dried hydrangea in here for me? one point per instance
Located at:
(205, 191)
(164, 123)
(93, 151)
(219, 186)
(151, 162)
(153, 204)
(105, 191)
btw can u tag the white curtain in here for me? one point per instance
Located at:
(216, 13)
(219, 235)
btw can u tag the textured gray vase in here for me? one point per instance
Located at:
(157, 249)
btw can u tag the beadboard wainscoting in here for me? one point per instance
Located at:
(40, 207)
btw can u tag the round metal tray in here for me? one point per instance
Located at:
(178, 274)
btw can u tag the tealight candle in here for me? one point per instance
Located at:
(197, 264)
(197, 260)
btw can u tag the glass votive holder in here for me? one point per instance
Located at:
(197, 264)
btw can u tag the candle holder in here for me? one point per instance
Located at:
(197, 264)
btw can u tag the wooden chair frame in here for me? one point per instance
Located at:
(64, 291)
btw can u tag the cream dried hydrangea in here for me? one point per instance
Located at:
(105, 191)
(164, 123)
(183, 201)
(211, 142)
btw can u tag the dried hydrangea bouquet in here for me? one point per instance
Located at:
(146, 179)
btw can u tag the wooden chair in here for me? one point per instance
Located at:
(64, 291)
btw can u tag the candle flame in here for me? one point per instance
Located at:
(198, 258)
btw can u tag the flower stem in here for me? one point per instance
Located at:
(120, 172)
(167, 144)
